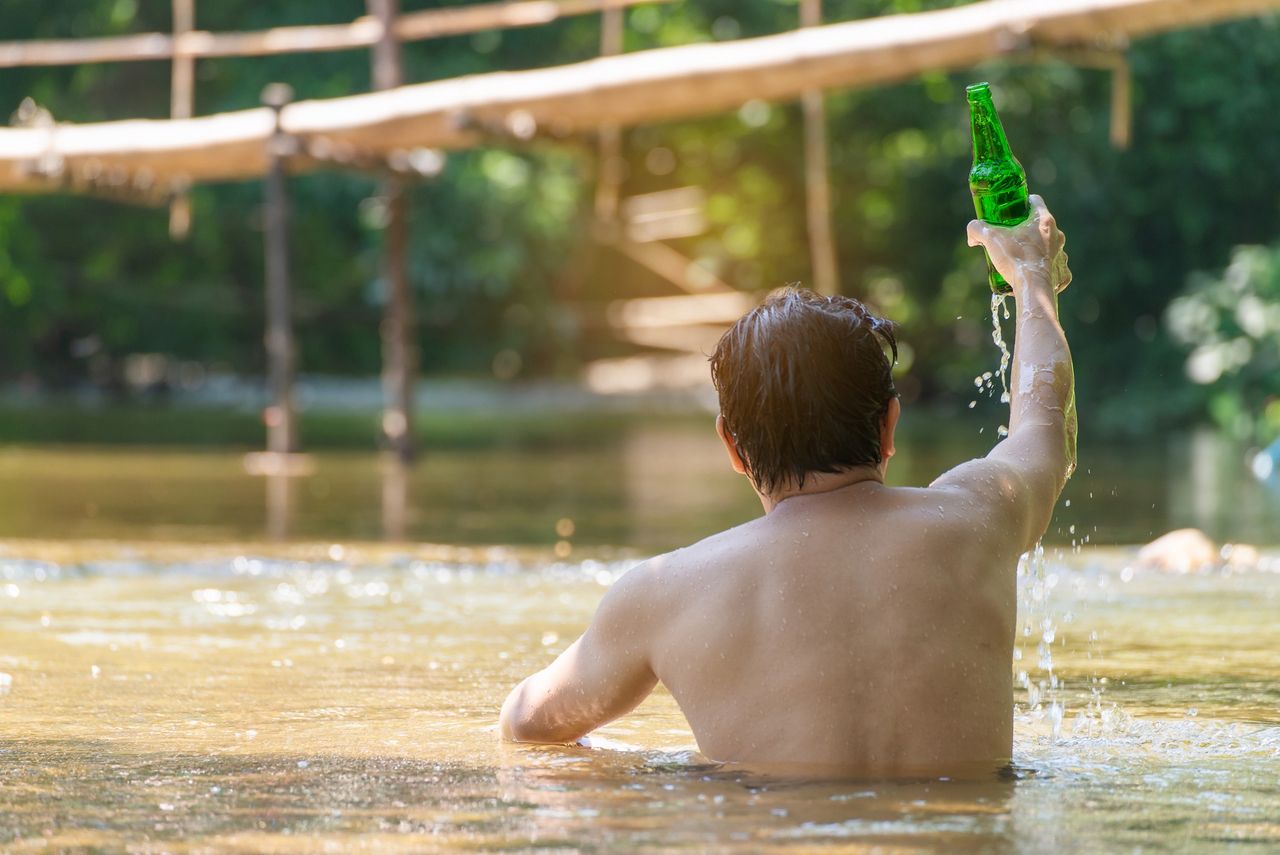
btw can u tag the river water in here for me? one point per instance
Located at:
(172, 681)
(650, 488)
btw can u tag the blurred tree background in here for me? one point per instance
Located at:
(502, 262)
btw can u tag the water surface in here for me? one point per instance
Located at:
(195, 659)
(650, 488)
(237, 703)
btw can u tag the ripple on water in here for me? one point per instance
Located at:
(354, 704)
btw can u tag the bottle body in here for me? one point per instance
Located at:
(997, 180)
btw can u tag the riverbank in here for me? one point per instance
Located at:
(341, 414)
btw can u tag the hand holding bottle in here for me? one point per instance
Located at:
(1027, 254)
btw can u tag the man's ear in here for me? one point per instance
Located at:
(888, 425)
(731, 446)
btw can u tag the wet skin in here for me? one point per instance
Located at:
(855, 629)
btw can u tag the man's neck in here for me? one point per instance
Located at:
(823, 482)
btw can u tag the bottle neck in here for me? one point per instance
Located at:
(989, 141)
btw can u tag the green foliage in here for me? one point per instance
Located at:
(1231, 325)
(502, 261)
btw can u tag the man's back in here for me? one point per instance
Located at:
(867, 630)
(857, 628)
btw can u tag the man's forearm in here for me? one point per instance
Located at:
(1043, 382)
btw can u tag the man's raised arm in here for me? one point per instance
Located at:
(1026, 472)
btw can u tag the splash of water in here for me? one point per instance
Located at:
(1039, 626)
(986, 381)
(999, 302)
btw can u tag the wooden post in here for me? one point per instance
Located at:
(1121, 101)
(822, 251)
(280, 415)
(398, 357)
(182, 88)
(609, 159)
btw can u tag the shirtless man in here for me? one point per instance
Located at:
(855, 629)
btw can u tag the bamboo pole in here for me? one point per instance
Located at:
(1121, 103)
(361, 33)
(817, 175)
(1112, 58)
(622, 90)
(609, 163)
(398, 358)
(181, 106)
(280, 415)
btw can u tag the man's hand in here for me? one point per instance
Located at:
(1028, 254)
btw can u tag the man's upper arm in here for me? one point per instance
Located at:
(1018, 483)
(601, 676)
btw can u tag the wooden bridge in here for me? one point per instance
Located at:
(400, 132)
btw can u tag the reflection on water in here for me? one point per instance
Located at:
(223, 702)
(652, 489)
(279, 505)
(395, 499)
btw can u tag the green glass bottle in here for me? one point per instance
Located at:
(998, 184)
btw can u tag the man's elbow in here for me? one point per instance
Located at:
(518, 722)
(512, 721)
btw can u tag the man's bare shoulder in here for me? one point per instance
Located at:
(987, 493)
(984, 480)
(666, 579)
(967, 511)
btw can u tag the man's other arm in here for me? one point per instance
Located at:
(601, 676)
(1022, 477)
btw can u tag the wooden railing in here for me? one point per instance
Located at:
(630, 89)
(361, 33)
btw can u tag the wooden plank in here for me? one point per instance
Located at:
(722, 308)
(664, 215)
(361, 33)
(673, 266)
(623, 90)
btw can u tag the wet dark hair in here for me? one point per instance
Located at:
(804, 383)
